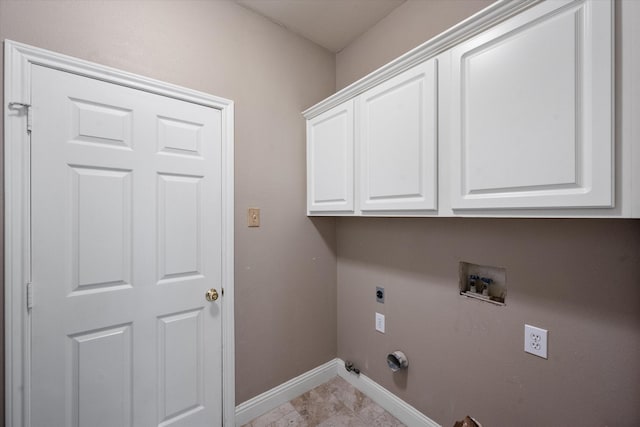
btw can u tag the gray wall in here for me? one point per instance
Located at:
(406, 27)
(286, 269)
(578, 278)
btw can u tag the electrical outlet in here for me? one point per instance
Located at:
(380, 322)
(535, 341)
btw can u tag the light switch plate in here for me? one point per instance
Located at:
(253, 217)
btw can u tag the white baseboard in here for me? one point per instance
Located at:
(283, 393)
(389, 401)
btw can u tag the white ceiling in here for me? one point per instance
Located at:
(332, 24)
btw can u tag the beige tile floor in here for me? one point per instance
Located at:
(333, 404)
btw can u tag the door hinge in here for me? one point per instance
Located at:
(27, 110)
(29, 296)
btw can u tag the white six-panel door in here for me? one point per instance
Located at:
(126, 239)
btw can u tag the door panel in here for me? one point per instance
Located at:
(180, 226)
(126, 239)
(102, 377)
(102, 228)
(179, 137)
(181, 369)
(101, 124)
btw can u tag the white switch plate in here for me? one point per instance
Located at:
(535, 341)
(380, 322)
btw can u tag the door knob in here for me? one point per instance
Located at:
(211, 295)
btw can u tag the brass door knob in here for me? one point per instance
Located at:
(211, 295)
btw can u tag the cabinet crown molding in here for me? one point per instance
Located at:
(488, 17)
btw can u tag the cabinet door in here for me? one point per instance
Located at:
(531, 119)
(397, 145)
(330, 161)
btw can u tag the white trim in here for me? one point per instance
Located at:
(228, 279)
(487, 17)
(630, 99)
(15, 139)
(283, 393)
(389, 401)
(18, 61)
(271, 399)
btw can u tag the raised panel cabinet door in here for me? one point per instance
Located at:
(398, 142)
(125, 241)
(330, 174)
(532, 107)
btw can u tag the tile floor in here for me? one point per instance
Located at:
(333, 404)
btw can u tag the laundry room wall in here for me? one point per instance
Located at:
(578, 278)
(407, 26)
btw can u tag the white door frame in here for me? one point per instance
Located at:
(18, 59)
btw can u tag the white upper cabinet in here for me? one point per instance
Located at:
(330, 145)
(397, 141)
(532, 110)
(508, 114)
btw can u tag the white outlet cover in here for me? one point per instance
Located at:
(535, 341)
(380, 322)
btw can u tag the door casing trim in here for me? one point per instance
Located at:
(18, 59)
